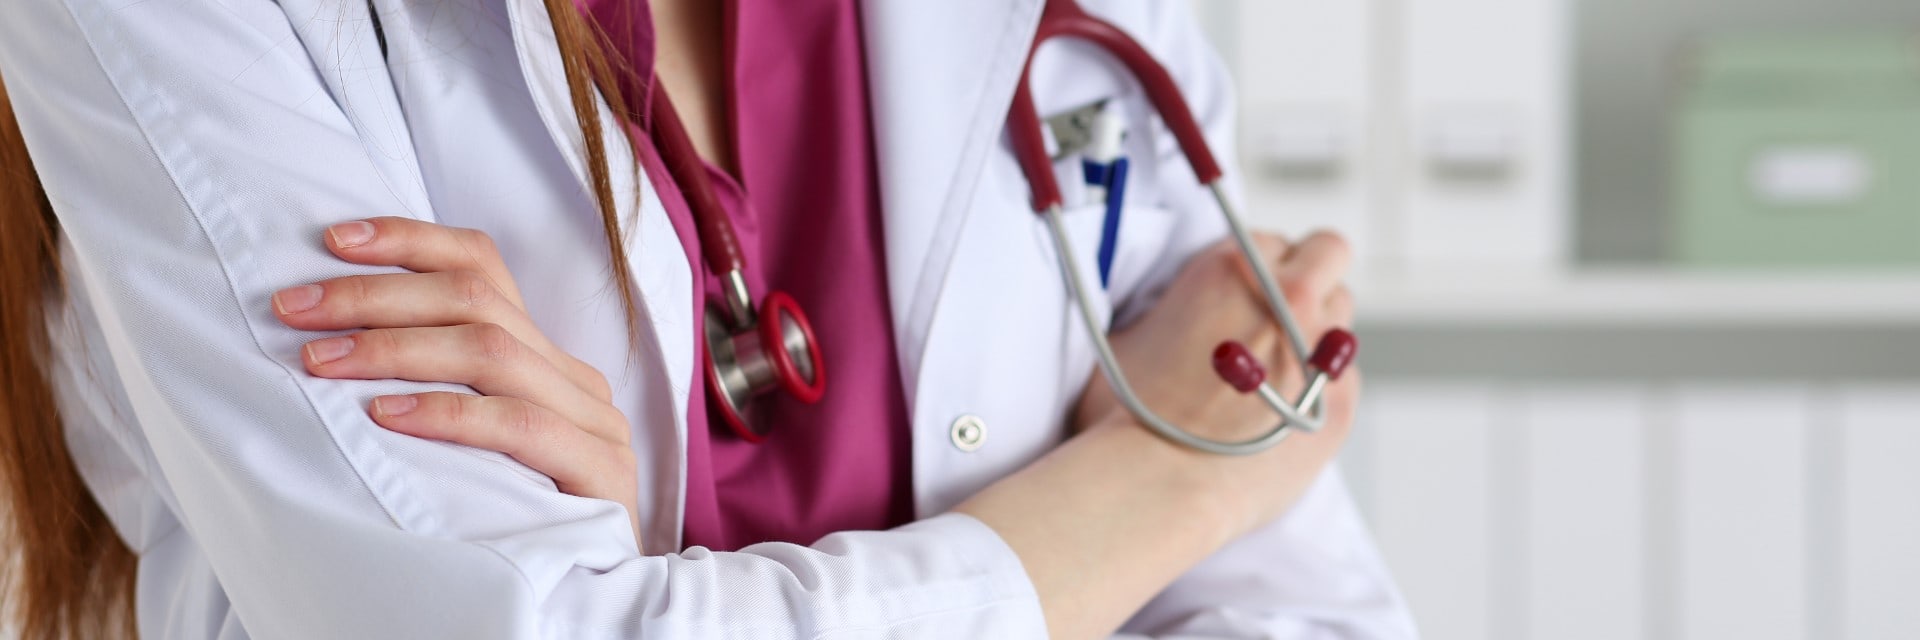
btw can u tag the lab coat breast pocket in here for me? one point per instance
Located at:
(1140, 246)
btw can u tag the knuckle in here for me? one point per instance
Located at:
(474, 289)
(596, 383)
(1224, 250)
(1299, 290)
(599, 388)
(358, 291)
(494, 342)
(376, 345)
(478, 242)
(623, 458)
(353, 291)
(1341, 298)
(461, 411)
(1271, 244)
(523, 420)
(1333, 242)
(1223, 258)
(617, 428)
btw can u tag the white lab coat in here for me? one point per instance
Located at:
(194, 149)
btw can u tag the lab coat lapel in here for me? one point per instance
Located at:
(654, 256)
(940, 76)
(350, 62)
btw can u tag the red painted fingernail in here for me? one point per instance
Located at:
(329, 349)
(395, 405)
(347, 235)
(1238, 367)
(297, 299)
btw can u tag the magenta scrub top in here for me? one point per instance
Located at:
(806, 208)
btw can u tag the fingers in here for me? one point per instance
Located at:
(484, 356)
(421, 246)
(1317, 264)
(1272, 246)
(578, 461)
(1308, 271)
(433, 299)
(1338, 308)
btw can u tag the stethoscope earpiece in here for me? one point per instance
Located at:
(1232, 361)
(750, 353)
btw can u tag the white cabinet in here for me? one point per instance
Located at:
(1879, 529)
(1306, 81)
(1582, 533)
(1689, 510)
(1740, 499)
(1432, 487)
(1430, 132)
(1773, 504)
(1483, 112)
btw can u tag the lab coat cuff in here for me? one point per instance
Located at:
(980, 549)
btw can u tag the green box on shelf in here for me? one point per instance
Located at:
(1800, 149)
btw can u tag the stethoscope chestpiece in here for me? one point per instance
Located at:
(748, 353)
(777, 349)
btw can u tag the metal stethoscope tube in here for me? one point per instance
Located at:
(749, 352)
(1234, 364)
(1304, 413)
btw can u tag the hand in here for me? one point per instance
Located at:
(458, 318)
(1167, 355)
(1113, 515)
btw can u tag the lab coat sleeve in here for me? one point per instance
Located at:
(1315, 572)
(194, 150)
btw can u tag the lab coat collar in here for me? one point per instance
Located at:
(940, 76)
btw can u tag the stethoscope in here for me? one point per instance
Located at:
(748, 356)
(750, 351)
(1232, 361)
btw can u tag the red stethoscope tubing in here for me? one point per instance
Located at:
(1066, 18)
(720, 251)
(723, 257)
(719, 246)
(1233, 362)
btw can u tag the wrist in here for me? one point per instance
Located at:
(1201, 484)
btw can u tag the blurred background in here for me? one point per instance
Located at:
(1640, 297)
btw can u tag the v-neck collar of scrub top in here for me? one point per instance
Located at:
(934, 83)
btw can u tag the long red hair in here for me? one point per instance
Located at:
(64, 572)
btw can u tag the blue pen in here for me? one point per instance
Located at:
(1106, 175)
(1116, 184)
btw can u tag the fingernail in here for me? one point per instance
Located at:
(329, 350)
(297, 299)
(347, 235)
(395, 405)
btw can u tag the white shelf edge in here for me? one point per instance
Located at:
(1641, 297)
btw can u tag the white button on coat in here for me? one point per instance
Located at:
(195, 150)
(969, 433)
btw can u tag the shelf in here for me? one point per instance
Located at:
(1619, 297)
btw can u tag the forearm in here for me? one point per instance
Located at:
(1106, 521)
